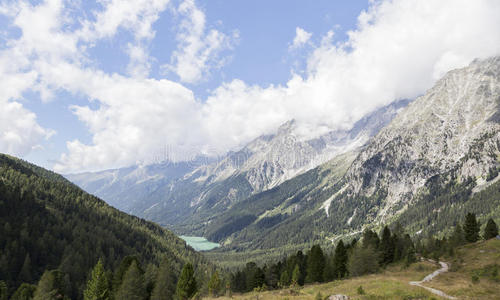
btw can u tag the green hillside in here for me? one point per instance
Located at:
(48, 223)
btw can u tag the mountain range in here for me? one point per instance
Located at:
(421, 163)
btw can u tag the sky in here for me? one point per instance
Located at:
(86, 85)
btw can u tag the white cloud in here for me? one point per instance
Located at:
(301, 38)
(198, 49)
(20, 132)
(399, 49)
(137, 17)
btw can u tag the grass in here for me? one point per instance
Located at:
(392, 283)
(474, 274)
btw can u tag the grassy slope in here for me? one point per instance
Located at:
(392, 283)
(477, 259)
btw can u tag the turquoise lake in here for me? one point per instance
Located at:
(199, 243)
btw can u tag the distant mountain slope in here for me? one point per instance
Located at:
(197, 194)
(125, 188)
(46, 222)
(438, 158)
(451, 135)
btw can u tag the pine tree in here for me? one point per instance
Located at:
(186, 286)
(24, 292)
(370, 239)
(296, 275)
(3, 290)
(52, 285)
(133, 285)
(164, 288)
(471, 228)
(457, 238)
(150, 276)
(315, 264)
(387, 246)
(364, 260)
(25, 274)
(284, 279)
(410, 256)
(98, 285)
(122, 269)
(214, 284)
(491, 229)
(340, 261)
(329, 274)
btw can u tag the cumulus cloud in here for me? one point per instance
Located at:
(20, 132)
(198, 48)
(136, 17)
(301, 38)
(398, 50)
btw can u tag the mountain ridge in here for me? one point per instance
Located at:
(208, 189)
(420, 168)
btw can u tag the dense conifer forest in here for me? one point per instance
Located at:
(52, 231)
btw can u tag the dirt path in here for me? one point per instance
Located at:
(444, 268)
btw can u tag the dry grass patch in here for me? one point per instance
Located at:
(392, 283)
(474, 272)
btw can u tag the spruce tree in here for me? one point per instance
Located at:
(52, 285)
(329, 274)
(3, 290)
(340, 261)
(387, 246)
(186, 286)
(315, 264)
(284, 279)
(98, 285)
(364, 260)
(370, 239)
(122, 269)
(457, 238)
(133, 285)
(214, 285)
(491, 229)
(296, 275)
(24, 292)
(471, 228)
(164, 288)
(25, 274)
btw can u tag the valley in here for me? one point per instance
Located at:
(422, 162)
(252, 150)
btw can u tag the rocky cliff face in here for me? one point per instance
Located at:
(272, 159)
(453, 128)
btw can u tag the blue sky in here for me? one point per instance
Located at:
(100, 85)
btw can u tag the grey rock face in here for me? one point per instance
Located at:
(453, 127)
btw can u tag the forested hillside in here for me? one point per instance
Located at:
(47, 223)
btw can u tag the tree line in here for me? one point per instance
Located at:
(356, 258)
